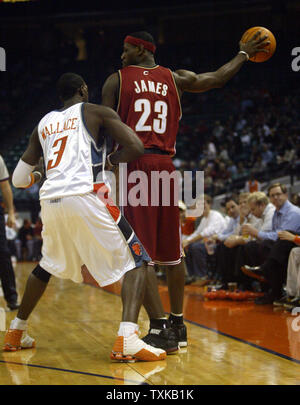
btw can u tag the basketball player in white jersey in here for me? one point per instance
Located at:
(81, 225)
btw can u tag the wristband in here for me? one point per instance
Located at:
(32, 180)
(297, 239)
(40, 174)
(109, 161)
(245, 53)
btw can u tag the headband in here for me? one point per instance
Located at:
(137, 41)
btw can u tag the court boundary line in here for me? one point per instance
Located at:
(284, 356)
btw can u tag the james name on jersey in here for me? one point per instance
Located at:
(150, 86)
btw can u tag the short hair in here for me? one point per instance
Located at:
(208, 199)
(68, 84)
(258, 197)
(231, 197)
(144, 35)
(243, 195)
(283, 187)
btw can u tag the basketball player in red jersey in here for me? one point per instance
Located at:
(147, 98)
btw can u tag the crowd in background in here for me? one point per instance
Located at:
(247, 130)
(243, 129)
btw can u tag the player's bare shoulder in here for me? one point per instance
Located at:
(110, 90)
(96, 115)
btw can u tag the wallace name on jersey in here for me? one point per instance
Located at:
(149, 86)
(55, 129)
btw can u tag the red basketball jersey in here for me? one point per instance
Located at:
(149, 104)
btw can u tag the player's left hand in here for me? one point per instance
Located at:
(255, 44)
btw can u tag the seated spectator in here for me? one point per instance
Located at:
(212, 222)
(246, 217)
(25, 235)
(233, 211)
(292, 297)
(261, 208)
(227, 251)
(269, 253)
(252, 184)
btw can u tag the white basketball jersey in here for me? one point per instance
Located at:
(72, 158)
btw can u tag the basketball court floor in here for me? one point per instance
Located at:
(75, 325)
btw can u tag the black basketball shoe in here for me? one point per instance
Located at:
(180, 331)
(163, 338)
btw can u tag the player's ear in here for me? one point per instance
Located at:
(140, 49)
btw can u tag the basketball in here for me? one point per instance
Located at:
(261, 56)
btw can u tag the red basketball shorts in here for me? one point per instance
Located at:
(150, 205)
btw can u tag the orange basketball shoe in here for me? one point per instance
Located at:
(16, 339)
(131, 349)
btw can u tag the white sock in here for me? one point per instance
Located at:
(18, 324)
(127, 328)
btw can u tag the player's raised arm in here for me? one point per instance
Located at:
(22, 175)
(196, 83)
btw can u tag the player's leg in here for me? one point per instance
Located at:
(112, 240)
(176, 282)
(132, 294)
(16, 337)
(128, 346)
(160, 333)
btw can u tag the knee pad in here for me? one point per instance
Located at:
(41, 274)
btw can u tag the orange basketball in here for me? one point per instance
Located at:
(261, 56)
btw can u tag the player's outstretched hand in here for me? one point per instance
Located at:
(256, 44)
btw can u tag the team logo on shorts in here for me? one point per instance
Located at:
(136, 247)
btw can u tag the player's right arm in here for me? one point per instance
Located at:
(22, 175)
(197, 83)
(102, 118)
(110, 91)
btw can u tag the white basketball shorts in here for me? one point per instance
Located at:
(83, 229)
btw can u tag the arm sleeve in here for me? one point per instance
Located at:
(22, 175)
(4, 175)
(215, 225)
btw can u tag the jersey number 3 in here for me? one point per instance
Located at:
(61, 142)
(159, 125)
